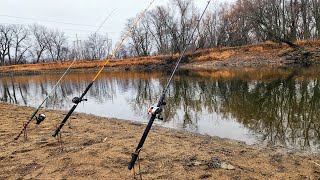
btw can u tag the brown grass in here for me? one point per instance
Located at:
(84, 64)
(220, 56)
(266, 49)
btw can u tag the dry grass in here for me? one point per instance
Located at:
(251, 52)
(309, 43)
(229, 53)
(84, 64)
(220, 56)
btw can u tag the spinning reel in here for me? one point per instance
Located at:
(78, 100)
(40, 118)
(157, 111)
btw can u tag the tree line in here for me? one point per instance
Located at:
(21, 44)
(165, 30)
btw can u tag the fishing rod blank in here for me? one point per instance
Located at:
(156, 110)
(77, 100)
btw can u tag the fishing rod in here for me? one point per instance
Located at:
(42, 117)
(77, 100)
(156, 110)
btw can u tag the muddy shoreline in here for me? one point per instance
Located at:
(100, 148)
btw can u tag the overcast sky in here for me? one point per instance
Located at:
(87, 14)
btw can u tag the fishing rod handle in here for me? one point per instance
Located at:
(141, 142)
(133, 161)
(57, 130)
(26, 124)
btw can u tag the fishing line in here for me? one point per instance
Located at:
(104, 21)
(156, 110)
(42, 117)
(77, 100)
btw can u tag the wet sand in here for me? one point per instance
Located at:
(100, 148)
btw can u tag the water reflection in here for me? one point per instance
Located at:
(278, 107)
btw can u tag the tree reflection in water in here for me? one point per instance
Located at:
(277, 108)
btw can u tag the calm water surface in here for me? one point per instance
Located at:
(266, 106)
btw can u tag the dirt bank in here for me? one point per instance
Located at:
(259, 55)
(100, 148)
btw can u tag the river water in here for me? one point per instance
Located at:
(259, 106)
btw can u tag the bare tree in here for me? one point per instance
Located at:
(59, 44)
(239, 29)
(181, 29)
(97, 46)
(306, 19)
(6, 40)
(40, 34)
(222, 35)
(159, 18)
(56, 43)
(20, 43)
(315, 4)
(268, 18)
(141, 38)
(293, 15)
(122, 53)
(208, 30)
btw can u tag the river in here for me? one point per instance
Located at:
(267, 106)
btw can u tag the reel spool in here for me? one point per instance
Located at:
(78, 100)
(40, 118)
(157, 111)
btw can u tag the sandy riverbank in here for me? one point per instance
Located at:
(100, 148)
